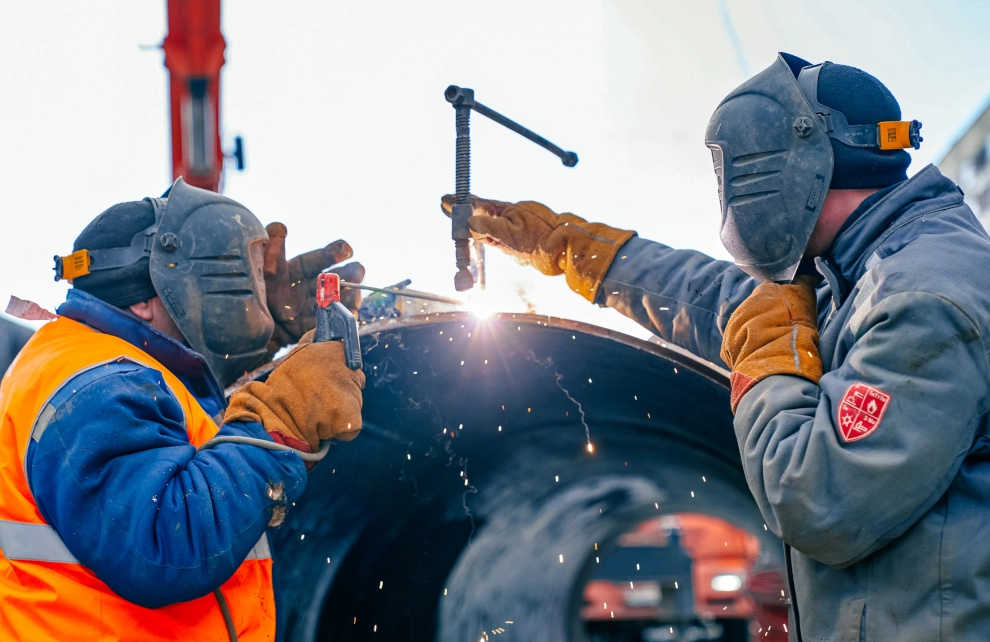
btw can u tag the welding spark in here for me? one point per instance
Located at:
(471, 490)
(559, 377)
(548, 364)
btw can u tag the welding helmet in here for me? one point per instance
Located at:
(205, 256)
(771, 143)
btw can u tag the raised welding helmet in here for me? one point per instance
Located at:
(205, 258)
(774, 147)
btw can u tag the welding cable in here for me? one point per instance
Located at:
(228, 620)
(269, 445)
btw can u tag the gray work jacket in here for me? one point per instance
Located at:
(878, 478)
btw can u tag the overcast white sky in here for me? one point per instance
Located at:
(348, 135)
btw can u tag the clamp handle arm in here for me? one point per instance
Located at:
(458, 96)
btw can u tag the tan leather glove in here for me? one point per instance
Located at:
(311, 396)
(291, 285)
(552, 243)
(774, 331)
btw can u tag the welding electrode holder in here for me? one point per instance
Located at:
(334, 322)
(463, 101)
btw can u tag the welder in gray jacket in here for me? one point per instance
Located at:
(855, 321)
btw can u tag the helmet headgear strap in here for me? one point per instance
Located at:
(85, 261)
(894, 134)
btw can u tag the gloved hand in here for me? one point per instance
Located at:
(311, 396)
(291, 285)
(774, 331)
(552, 243)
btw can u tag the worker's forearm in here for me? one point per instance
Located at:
(683, 296)
(841, 468)
(136, 504)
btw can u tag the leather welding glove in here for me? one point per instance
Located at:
(552, 243)
(774, 331)
(310, 396)
(291, 285)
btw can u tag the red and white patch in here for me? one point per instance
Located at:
(861, 411)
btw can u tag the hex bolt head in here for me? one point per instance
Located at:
(803, 127)
(169, 241)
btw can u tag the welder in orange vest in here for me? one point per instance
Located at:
(116, 523)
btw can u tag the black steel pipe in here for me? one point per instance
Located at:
(472, 479)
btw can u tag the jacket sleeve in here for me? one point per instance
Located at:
(115, 475)
(683, 296)
(836, 499)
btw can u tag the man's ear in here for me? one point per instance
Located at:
(142, 310)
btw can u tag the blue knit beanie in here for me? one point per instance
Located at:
(113, 228)
(865, 101)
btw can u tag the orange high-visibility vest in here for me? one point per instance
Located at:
(45, 593)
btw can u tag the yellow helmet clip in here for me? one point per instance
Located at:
(72, 266)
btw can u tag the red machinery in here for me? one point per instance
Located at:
(194, 50)
(710, 594)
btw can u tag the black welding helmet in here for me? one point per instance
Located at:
(206, 264)
(770, 142)
(208, 268)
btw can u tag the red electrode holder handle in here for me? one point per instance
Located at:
(334, 322)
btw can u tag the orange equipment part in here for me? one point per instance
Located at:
(718, 548)
(194, 50)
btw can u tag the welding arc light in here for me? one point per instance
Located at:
(728, 583)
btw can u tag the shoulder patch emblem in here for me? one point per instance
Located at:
(861, 411)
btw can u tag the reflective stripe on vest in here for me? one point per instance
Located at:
(34, 542)
(40, 543)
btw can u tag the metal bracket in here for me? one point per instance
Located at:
(462, 99)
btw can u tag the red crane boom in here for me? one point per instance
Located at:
(194, 50)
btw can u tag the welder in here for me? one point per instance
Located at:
(854, 321)
(125, 513)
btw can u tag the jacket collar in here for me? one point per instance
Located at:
(189, 366)
(856, 243)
